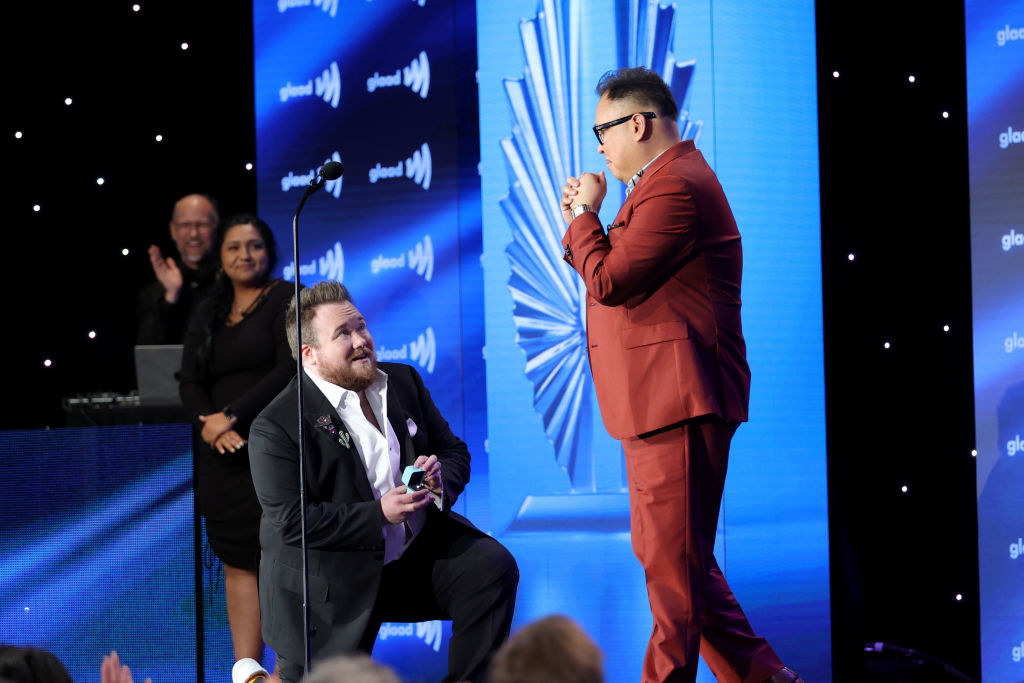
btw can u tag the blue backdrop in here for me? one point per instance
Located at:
(454, 123)
(995, 100)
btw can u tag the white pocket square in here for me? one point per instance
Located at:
(411, 426)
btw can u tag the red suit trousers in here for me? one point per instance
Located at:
(676, 476)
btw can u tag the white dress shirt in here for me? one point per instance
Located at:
(381, 453)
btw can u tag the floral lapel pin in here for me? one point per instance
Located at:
(325, 423)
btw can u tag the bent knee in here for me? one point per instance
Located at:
(499, 566)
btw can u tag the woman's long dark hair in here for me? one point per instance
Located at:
(216, 305)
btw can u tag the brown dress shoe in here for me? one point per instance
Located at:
(784, 675)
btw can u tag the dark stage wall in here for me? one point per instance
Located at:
(894, 195)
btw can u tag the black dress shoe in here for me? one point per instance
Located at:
(784, 675)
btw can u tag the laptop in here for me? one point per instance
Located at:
(156, 368)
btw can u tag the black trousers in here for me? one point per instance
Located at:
(449, 572)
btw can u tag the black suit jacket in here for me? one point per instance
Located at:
(162, 323)
(344, 522)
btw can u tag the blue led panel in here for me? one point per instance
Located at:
(96, 551)
(995, 100)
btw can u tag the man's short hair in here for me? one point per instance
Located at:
(326, 292)
(553, 649)
(213, 202)
(352, 668)
(642, 85)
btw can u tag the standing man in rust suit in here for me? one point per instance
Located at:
(669, 362)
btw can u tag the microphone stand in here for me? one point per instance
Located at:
(314, 185)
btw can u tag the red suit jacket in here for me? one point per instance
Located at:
(663, 300)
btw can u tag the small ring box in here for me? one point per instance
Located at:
(412, 477)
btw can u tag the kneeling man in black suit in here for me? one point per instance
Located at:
(377, 552)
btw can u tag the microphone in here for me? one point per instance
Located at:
(248, 671)
(332, 170)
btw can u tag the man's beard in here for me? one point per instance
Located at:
(353, 379)
(189, 258)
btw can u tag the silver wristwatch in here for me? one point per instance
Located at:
(580, 209)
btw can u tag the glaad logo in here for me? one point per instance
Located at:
(1017, 549)
(327, 85)
(416, 76)
(430, 633)
(423, 350)
(1017, 652)
(418, 167)
(1007, 33)
(420, 258)
(427, 631)
(328, 6)
(330, 266)
(289, 91)
(1014, 446)
(1010, 137)
(1013, 239)
(1014, 342)
(293, 180)
(389, 630)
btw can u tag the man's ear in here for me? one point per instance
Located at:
(308, 356)
(643, 128)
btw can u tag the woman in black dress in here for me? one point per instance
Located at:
(235, 360)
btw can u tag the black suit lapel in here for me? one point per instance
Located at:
(330, 432)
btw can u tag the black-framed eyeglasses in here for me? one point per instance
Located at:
(600, 128)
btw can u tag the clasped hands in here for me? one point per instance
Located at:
(589, 188)
(399, 503)
(218, 432)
